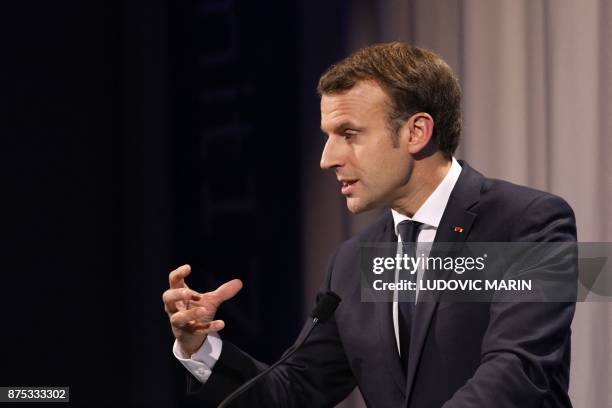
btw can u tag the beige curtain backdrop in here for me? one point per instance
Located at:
(537, 86)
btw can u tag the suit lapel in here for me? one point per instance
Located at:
(384, 315)
(465, 195)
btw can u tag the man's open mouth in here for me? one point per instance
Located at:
(347, 186)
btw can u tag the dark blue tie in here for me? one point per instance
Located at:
(408, 230)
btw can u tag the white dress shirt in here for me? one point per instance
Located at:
(429, 214)
(202, 362)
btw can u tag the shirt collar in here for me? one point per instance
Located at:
(430, 213)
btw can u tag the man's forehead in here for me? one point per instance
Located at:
(348, 107)
(337, 113)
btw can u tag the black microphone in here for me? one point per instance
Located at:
(321, 312)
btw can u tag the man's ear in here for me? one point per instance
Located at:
(416, 132)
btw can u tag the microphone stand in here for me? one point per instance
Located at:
(322, 311)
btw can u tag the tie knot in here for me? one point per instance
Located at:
(409, 230)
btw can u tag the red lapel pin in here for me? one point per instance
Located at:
(458, 229)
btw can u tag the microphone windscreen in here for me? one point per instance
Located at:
(326, 306)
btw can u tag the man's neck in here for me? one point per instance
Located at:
(426, 177)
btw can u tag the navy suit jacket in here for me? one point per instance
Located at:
(497, 354)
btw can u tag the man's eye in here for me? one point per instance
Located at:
(349, 134)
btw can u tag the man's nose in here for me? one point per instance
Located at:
(332, 154)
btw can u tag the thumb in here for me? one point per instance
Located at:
(228, 290)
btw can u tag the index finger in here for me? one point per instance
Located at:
(177, 276)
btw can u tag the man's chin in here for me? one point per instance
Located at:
(357, 206)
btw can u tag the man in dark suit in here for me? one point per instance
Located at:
(392, 116)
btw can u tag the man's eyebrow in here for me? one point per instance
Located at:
(342, 126)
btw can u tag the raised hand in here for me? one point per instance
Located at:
(191, 313)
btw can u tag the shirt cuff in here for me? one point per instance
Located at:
(201, 363)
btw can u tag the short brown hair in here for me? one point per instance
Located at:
(415, 79)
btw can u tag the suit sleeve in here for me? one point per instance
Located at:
(525, 350)
(317, 375)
